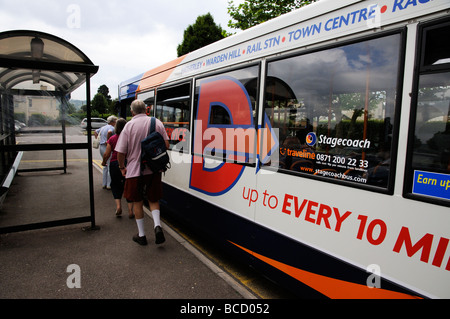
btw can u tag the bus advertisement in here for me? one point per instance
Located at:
(316, 146)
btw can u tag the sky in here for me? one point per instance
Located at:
(124, 38)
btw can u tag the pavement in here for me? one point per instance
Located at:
(67, 262)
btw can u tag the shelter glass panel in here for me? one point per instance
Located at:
(53, 169)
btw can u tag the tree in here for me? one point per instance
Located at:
(104, 90)
(254, 12)
(203, 32)
(114, 107)
(100, 104)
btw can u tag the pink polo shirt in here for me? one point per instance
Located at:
(129, 142)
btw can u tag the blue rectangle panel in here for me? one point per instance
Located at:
(432, 184)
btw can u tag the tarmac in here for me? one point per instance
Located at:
(67, 262)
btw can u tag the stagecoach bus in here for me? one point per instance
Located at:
(316, 146)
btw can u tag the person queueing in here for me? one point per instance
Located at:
(105, 133)
(129, 147)
(117, 179)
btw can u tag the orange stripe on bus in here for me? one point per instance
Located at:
(159, 75)
(330, 287)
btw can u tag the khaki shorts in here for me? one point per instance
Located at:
(137, 188)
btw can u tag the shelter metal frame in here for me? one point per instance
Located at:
(25, 60)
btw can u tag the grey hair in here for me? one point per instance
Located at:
(138, 107)
(111, 119)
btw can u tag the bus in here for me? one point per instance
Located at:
(316, 146)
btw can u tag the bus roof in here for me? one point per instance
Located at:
(312, 24)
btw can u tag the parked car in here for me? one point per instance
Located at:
(18, 125)
(96, 123)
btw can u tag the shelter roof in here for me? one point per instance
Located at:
(32, 60)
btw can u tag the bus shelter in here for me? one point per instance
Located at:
(43, 150)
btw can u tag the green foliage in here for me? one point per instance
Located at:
(104, 90)
(70, 108)
(38, 119)
(99, 104)
(203, 32)
(102, 103)
(254, 12)
(20, 117)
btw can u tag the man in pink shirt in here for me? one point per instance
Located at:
(129, 147)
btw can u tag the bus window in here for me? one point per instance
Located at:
(432, 129)
(219, 115)
(149, 99)
(173, 107)
(428, 172)
(226, 115)
(334, 110)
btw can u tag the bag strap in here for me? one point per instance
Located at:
(150, 130)
(152, 127)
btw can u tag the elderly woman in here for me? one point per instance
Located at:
(117, 180)
(105, 133)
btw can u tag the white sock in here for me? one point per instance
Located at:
(156, 217)
(140, 225)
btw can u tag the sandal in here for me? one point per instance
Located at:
(119, 212)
